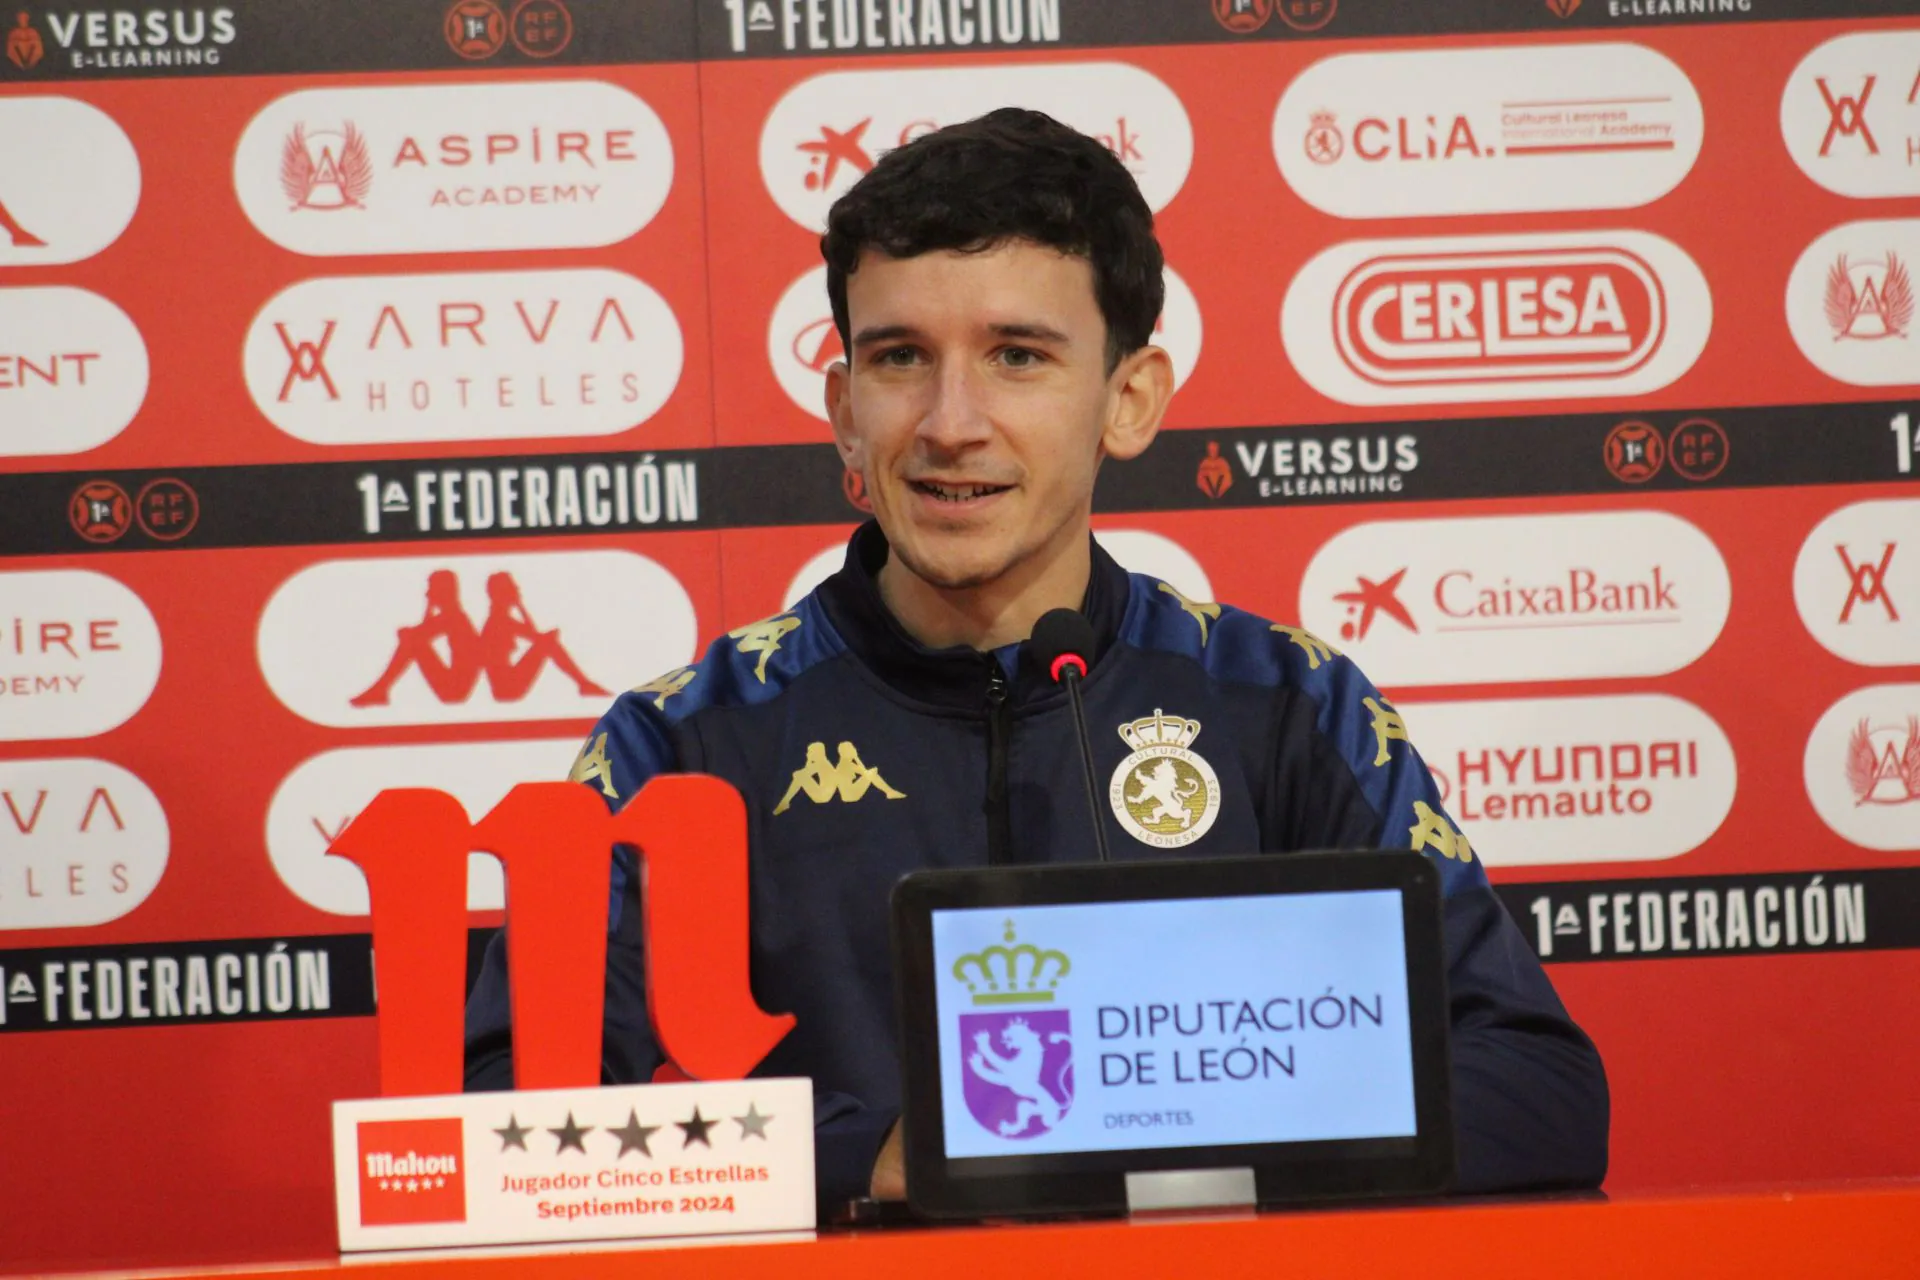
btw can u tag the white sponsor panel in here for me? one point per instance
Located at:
(315, 802)
(1501, 599)
(561, 164)
(1546, 781)
(828, 130)
(1136, 550)
(473, 356)
(82, 842)
(1850, 115)
(471, 639)
(79, 654)
(1862, 767)
(73, 371)
(1850, 303)
(1516, 130)
(803, 342)
(1462, 319)
(1856, 582)
(69, 181)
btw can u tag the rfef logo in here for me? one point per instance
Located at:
(412, 1171)
(1486, 318)
(1458, 131)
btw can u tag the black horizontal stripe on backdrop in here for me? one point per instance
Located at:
(302, 504)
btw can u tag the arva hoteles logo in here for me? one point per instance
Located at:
(447, 168)
(1017, 1055)
(1850, 114)
(1856, 582)
(109, 39)
(1487, 318)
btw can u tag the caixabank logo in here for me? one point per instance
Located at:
(1501, 599)
(412, 1171)
(1489, 318)
(828, 130)
(1016, 1042)
(1475, 131)
(69, 181)
(562, 164)
(471, 356)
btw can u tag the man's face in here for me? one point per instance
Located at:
(976, 404)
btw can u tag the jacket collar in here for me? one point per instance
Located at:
(957, 677)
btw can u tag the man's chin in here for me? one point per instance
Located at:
(947, 572)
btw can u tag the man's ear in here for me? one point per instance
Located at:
(839, 393)
(1138, 392)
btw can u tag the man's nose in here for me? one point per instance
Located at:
(956, 415)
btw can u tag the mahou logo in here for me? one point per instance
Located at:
(828, 130)
(73, 370)
(503, 355)
(1850, 303)
(471, 639)
(69, 181)
(1862, 767)
(1520, 130)
(1484, 318)
(412, 1171)
(803, 343)
(1856, 583)
(317, 800)
(82, 842)
(1516, 598)
(79, 654)
(1850, 115)
(446, 169)
(1540, 781)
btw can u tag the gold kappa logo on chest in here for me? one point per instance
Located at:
(1164, 794)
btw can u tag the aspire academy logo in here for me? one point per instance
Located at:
(447, 168)
(411, 1171)
(468, 639)
(79, 654)
(498, 355)
(1850, 114)
(1496, 318)
(82, 842)
(1453, 131)
(1883, 762)
(1516, 598)
(1856, 582)
(828, 130)
(73, 370)
(1850, 301)
(1862, 767)
(69, 180)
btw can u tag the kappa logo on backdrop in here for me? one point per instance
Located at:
(327, 170)
(1883, 762)
(1869, 299)
(69, 180)
(494, 649)
(411, 1171)
(1867, 583)
(1019, 1063)
(17, 234)
(25, 48)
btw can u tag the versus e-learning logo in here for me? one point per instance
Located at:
(1019, 1061)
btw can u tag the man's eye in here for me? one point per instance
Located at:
(896, 357)
(1021, 357)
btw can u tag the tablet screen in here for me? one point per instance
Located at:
(1181, 1022)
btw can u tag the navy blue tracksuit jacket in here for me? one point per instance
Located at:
(863, 755)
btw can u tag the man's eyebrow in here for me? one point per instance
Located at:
(1031, 331)
(1035, 332)
(884, 333)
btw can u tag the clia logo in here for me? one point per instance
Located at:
(1486, 318)
(1019, 1056)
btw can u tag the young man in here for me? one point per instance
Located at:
(996, 284)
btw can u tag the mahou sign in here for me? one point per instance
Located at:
(556, 840)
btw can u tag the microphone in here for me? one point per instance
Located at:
(1061, 641)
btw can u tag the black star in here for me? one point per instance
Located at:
(514, 1135)
(571, 1135)
(633, 1135)
(752, 1124)
(696, 1130)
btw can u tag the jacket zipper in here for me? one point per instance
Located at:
(999, 726)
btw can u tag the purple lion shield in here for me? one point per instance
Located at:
(1018, 1070)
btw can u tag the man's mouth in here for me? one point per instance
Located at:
(944, 492)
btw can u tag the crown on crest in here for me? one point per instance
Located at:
(1010, 974)
(1323, 118)
(1159, 730)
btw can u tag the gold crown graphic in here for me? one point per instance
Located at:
(1159, 730)
(1022, 974)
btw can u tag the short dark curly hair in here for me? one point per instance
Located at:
(1011, 174)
